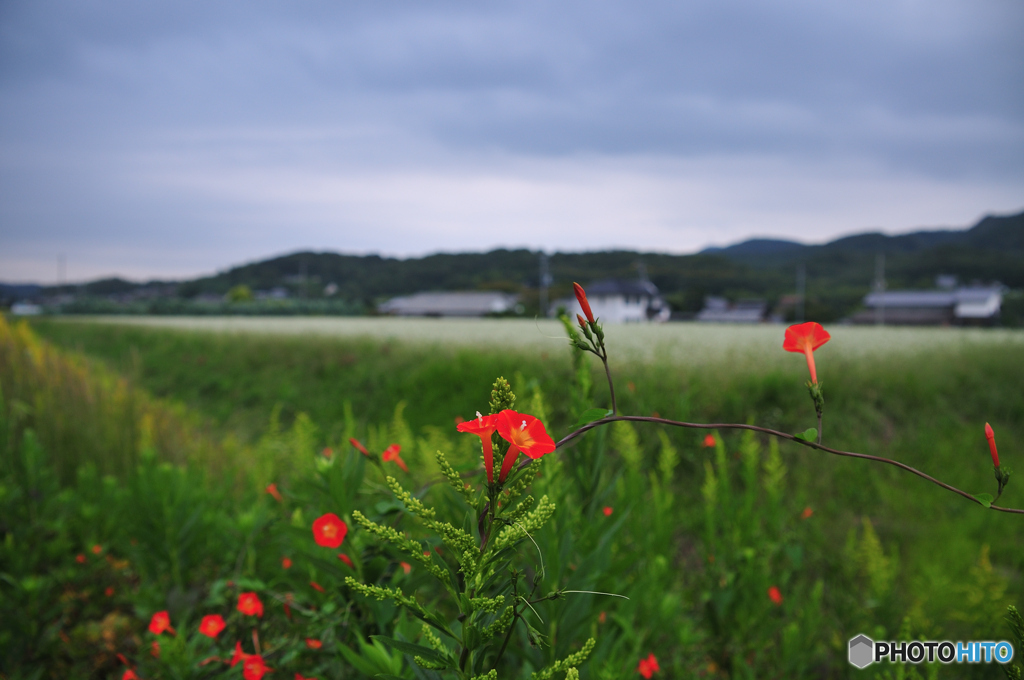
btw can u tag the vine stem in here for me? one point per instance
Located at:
(781, 435)
(608, 374)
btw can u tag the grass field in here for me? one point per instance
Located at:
(882, 552)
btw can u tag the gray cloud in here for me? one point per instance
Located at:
(168, 138)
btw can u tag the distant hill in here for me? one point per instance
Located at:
(838, 273)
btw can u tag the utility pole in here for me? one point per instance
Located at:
(801, 286)
(545, 281)
(880, 289)
(61, 270)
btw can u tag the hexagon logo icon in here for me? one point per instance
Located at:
(862, 651)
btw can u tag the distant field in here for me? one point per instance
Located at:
(675, 342)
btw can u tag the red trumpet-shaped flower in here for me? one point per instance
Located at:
(211, 625)
(391, 454)
(250, 604)
(581, 297)
(990, 435)
(160, 622)
(329, 530)
(806, 337)
(483, 427)
(358, 446)
(239, 655)
(525, 433)
(648, 666)
(313, 643)
(272, 490)
(347, 560)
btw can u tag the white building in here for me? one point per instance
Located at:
(969, 305)
(615, 301)
(719, 310)
(471, 303)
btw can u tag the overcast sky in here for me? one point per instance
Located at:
(167, 139)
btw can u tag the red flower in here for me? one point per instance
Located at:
(358, 446)
(483, 427)
(608, 511)
(347, 560)
(272, 490)
(211, 625)
(327, 452)
(80, 558)
(807, 512)
(250, 605)
(775, 595)
(525, 433)
(97, 549)
(391, 453)
(253, 667)
(581, 297)
(648, 667)
(286, 563)
(329, 530)
(990, 435)
(239, 655)
(602, 617)
(313, 644)
(129, 674)
(155, 649)
(109, 592)
(806, 337)
(709, 441)
(406, 567)
(160, 622)
(581, 321)
(317, 586)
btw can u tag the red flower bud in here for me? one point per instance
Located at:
(775, 596)
(581, 297)
(991, 437)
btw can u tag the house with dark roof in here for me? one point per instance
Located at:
(620, 301)
(975, 305)
(720, 310)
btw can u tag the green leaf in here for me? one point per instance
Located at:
(413, 649)
(808, 435)
(984, 498)
(591, 415)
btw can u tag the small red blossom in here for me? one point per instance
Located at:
(272, 490)
(211, 625)
(406, 567)
(805, 338)
(806, 514)
(250, 604)
(109, 592)
(608, 511)
(391, 454)
(160, 622)
(253, 667)
(286, 563)
(97, 549)
(154, 649)
(122, 659)
(358, 446)
(129, 674)
(775, 595)
(239, 655)
(581, 297)
(483, 427)
(648, 667)
(709, 441)
(329, 530)
(990, 435)
(327, 452)
(316, 586)
(580, 321)
(347, 560)
(313, 644)
(525, 433)
(80, 558)
(602, 617)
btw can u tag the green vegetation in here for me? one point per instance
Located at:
(695, 536)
